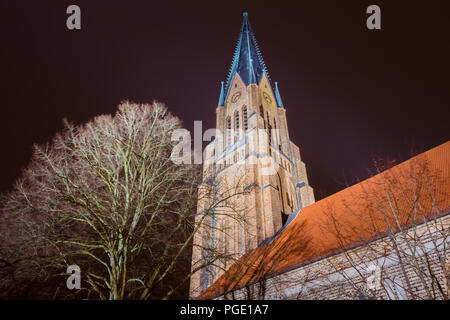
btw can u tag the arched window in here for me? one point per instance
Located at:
(236, 124)
(244, 114)
(276, 137)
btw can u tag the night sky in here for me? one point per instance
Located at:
(350, 93)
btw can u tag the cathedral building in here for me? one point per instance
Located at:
(262, 235)
(253, 153)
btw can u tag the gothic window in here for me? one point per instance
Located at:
(289, 200)
(261, 113)
(236, 122)
(229, 130)
(244, 114)
(276, 134)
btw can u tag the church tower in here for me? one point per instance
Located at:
(254, 181)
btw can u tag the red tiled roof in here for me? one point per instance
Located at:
(358, 213)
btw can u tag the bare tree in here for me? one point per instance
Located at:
(104, 196)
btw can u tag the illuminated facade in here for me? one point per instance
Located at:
(255, 156)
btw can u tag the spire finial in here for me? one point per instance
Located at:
(244, 18)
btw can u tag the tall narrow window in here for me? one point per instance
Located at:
(261, 113)
(236, 125)
(269, 132)
(244, 114)
(275, 138)
(229, 130)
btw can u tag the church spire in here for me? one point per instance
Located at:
(247, 60)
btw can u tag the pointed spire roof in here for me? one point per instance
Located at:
(247, 60)
(277, 96)
(222, 96)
